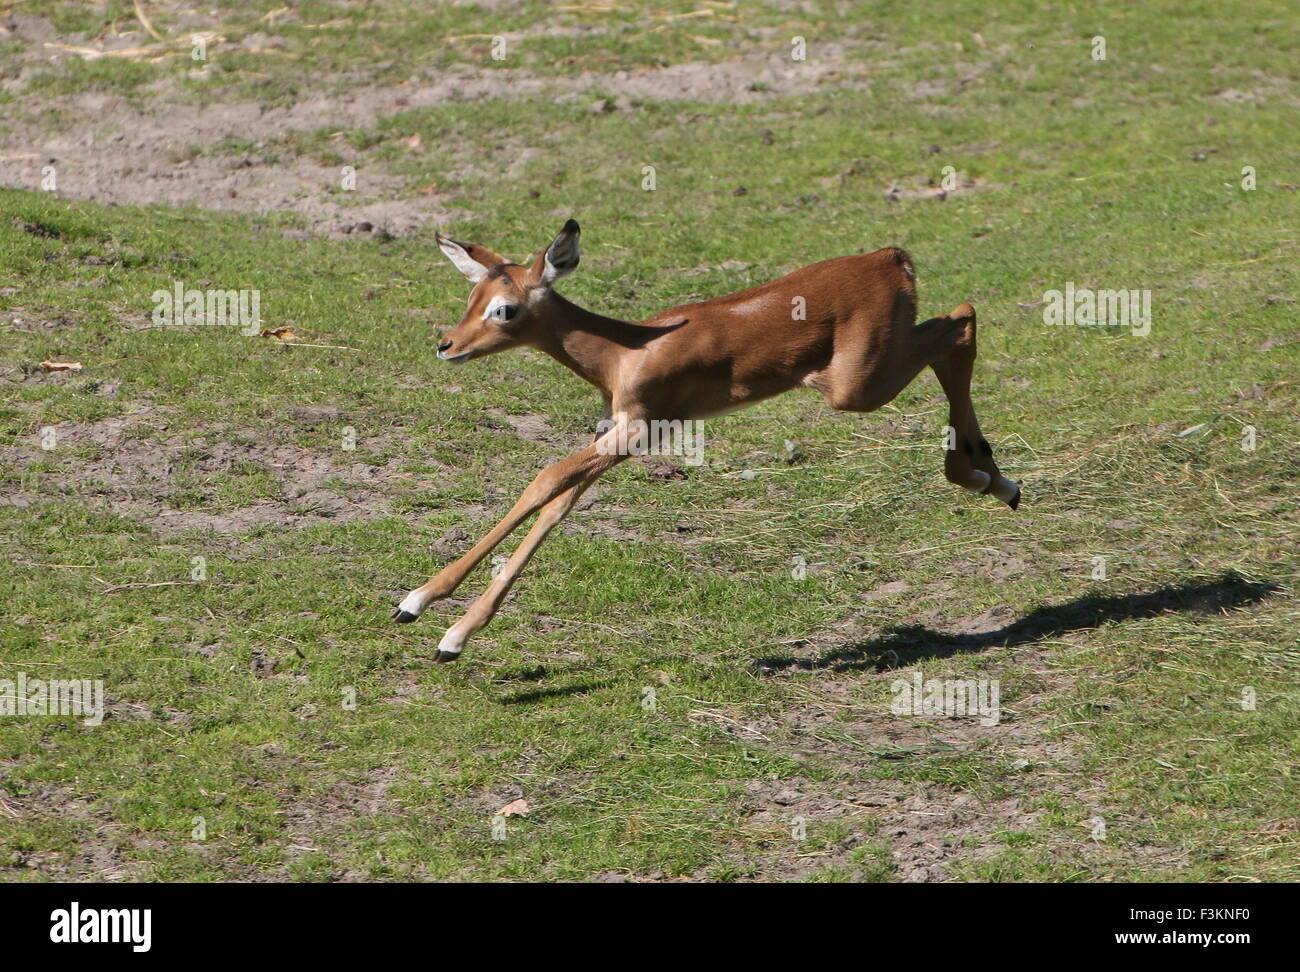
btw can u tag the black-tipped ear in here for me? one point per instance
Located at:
(561, 257)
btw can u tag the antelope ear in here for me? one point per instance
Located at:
(471, 259)
(560, 258)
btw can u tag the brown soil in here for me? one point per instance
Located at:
(131, 475)
(106, 148)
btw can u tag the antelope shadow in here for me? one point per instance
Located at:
(904, 645)
(529, 696)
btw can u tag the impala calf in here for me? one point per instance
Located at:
(856, 341)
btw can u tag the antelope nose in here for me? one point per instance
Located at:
(444, 346)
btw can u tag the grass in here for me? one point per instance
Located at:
(669, 699)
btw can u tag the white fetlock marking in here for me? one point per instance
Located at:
(412, 604)
(1005, 489)
(452, 643)
(981, 481)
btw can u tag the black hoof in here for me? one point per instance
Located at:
(403, 617)
(1015, 500)
(443, 657)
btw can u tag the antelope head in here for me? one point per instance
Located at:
(508, 303)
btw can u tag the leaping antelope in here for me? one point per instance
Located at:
(856, 342)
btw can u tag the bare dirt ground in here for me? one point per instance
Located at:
(109, 149)
(131, 474)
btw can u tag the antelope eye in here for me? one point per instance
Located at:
(505, 312)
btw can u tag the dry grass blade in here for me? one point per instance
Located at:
(144, 22)
(122, 587)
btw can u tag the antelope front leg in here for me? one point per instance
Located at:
(445, 582)
(485, 607)
(552, 481)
